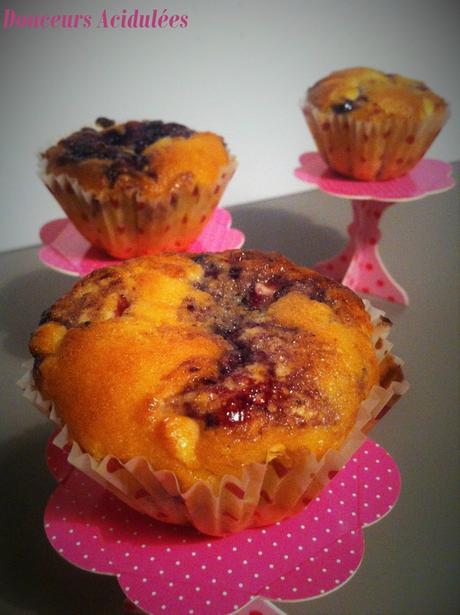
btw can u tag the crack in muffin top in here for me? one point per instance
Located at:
(121, 145)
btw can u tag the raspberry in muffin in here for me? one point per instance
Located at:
(141, 187)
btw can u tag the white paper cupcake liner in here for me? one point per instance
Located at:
(369, 150)
(266, 492)
(131, 226)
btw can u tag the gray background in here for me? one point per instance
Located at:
(240, 69)
(411, 563)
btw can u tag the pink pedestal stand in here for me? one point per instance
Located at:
(164, 568)
(359, 266)
(69, 252)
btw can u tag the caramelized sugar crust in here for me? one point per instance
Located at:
(371, 94)
(146, 158)
(205, 363)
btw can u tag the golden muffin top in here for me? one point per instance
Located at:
(148, 157)
(371, 94)
(205, 363)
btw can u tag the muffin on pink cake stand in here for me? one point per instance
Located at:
(372, 130)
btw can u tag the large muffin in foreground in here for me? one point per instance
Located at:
(140, 187)
(371, 125)
(225, 386)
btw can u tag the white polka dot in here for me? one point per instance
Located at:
(240, 585)
(197, 589)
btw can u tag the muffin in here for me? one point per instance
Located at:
(218, 390)
(140, 187)
(371, 125)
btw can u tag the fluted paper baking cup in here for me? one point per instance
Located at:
(128, 226)
(369, 150)
(265, 493)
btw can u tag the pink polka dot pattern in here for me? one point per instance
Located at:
(359, 266)
(67, 251)
(162, 567)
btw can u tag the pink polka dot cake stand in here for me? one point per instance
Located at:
(67, 251)
(359, 266)
(165, 568)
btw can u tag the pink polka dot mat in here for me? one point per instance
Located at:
(69, 252)
(164, 568)
(359, 265)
